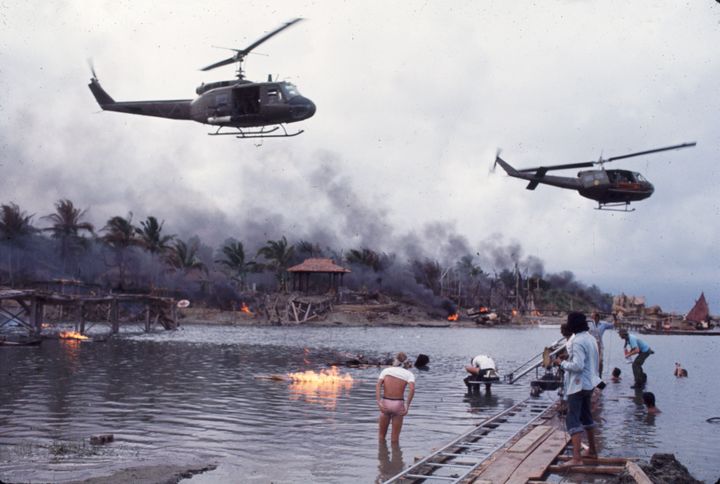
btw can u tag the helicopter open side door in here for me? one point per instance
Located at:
(593, 178)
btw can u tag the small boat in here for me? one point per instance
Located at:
(22, 341)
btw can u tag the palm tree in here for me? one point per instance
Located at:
(151, 238)
(66, 226)
(15, 227)
(278, 254)
(14, 223)
(234, 261)
(184, 257)
(120, 237)
(308, 249)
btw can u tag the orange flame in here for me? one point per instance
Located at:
(72, 335)
(323, 388)
(453, 317)
(245, 309)
(483, 309)
(535, 312)
(514, 312)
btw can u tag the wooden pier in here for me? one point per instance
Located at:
(30, 309)
(534, 454)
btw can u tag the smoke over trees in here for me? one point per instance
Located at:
(435, 266)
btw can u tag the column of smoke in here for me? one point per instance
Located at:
(349, 223)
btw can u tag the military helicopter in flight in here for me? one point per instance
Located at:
(610, 188)
(249, 109)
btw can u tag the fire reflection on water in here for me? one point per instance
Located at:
(320, 388)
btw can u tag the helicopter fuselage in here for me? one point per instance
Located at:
(614, 186)
(238, 103)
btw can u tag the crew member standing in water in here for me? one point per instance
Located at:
(392, 383)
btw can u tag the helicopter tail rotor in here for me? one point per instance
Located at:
(92, 68)
(497, 156)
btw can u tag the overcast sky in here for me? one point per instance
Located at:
(413, 99)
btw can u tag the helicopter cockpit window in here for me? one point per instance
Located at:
(274, 95)
(221, 99)
(640, 178)
(290, 90)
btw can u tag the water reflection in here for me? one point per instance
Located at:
(172, 396)
(390, 461)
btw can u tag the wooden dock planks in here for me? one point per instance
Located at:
(538, 460)
(541, 449)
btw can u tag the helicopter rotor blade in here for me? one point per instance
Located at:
(229, 60)
(241, 53)
(92, 68)
(586, 164)
(657, 150)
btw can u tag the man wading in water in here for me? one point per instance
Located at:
(393, 381)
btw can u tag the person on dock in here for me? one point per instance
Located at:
(649, 401)
(482, 368)
(392, 383)
(615, 378)
(581, 372)
(597, 329)
(642, 350)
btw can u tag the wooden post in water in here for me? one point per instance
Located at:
(82, 317)
(147, 316)
(174, 312)
(114, 316)
(36, 314)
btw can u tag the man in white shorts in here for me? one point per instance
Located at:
(392, 383)
(482, 369)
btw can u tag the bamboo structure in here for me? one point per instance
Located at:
(27, 308)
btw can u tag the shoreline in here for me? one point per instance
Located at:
(368, 317)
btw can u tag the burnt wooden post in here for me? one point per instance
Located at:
(114, 316)
(36, 314)
(174, 313)
(147, 316)
(82, 317)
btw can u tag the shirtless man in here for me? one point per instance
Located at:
(393, 381)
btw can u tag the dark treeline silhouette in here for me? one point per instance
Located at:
(125, 256)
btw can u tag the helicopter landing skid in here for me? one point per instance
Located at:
(263, 132)
(605, 206)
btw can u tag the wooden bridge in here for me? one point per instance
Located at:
(30, 309)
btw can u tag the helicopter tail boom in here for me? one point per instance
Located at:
(173, 109)
(102, 97)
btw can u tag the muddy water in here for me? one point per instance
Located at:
(194, 396)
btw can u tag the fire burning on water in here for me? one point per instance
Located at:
(323, 377)
(453, 317)
(320, 388)
(245, 309)
(72, 335)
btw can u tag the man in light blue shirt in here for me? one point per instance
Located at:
(642, 350)
(581, 371)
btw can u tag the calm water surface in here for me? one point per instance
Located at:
(193, 396)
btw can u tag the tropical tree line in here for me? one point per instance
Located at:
(123, 254)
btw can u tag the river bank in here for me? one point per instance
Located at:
(357, 315)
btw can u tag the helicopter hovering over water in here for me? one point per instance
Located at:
(250, 109)
(610, 188)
